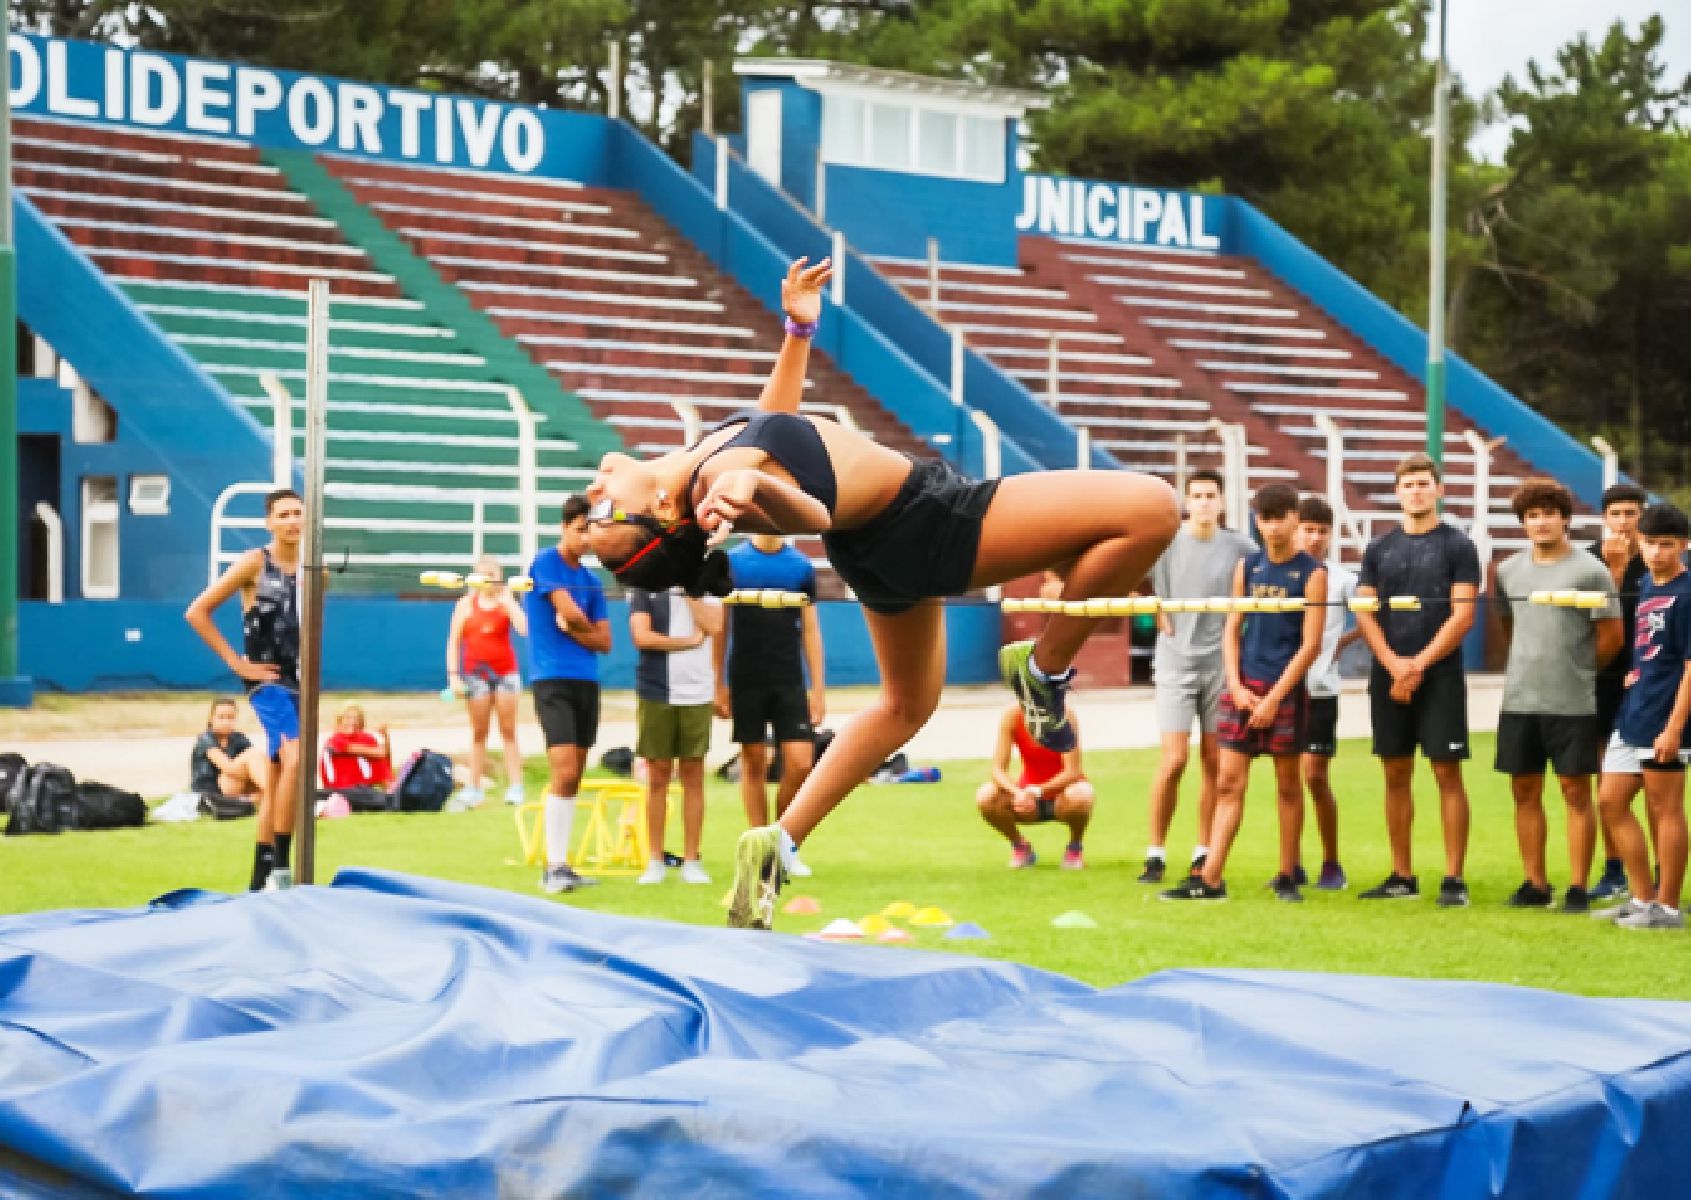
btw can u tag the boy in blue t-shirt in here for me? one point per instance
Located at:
(1646, 747)
(1262, 710)
(568, 628)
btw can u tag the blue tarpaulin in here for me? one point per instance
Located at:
(398, 1037)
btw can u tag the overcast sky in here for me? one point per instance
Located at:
(1489, 39)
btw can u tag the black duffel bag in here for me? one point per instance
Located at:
(102, 806)
(42, 799)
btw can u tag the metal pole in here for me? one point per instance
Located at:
(613, 107)
(1053, 368)
(838, 297)
(1611, 461)
(528, 474)
(313, 579)
(1181, 467)
(957, 361)
(1480, 531)
(933, 276)
(1083, 449)
(1435, 296)
(821, 204)
(707, 99)
(14, 689)
(721, 172)
(281, 430)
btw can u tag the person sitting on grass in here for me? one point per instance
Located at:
(1052, 787)
(1263, 708)
(355, 759)
(1649, 733)
(224, 761)
(1550, 691)
(902, 534)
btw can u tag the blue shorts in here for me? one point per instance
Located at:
(277, 710)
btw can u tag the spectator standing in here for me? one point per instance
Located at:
(1647, 748)
(1550, 690)
(224, 762)
(267, 579)
(481, 666)
(1187, 669)
(769, 676)
(1417, 689)
(1052, 786)
(1620, 549)
(568, 629)
(1263, 709)
(673, 687)
(1321, 727)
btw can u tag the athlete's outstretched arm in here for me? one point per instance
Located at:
(801, 299)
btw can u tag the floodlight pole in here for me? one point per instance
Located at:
(14, 688)
(1435, 291)
(313, 579)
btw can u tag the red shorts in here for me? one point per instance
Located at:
(1284, 736)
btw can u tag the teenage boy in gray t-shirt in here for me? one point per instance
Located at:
(1187, 669)
(1550, 691)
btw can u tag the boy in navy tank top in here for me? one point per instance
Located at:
(1262, 711)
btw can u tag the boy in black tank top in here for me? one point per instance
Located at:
(267, 580)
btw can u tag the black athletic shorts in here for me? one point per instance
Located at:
(920, 546)
(1526, 741)
(1321, 726)
(1611, 690)
(758, 710)
(1435, 719)
(568, 710)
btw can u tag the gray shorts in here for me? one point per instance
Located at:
(477, 686)
(1188, 692)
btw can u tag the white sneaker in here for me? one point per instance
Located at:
(796, 867)
(655, 872)
(692, 872)
(513, 795)
(466, 799)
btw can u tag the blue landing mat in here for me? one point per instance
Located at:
(399, 1037)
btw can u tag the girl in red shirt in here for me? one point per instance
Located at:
(1051, 788)
(481, 666)
(353, 757)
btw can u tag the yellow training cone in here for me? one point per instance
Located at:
(898, 910)
(931, 917)
(873, 925)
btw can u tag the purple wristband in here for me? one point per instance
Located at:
(801, 329)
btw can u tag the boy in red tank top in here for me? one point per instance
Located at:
(1051, 787)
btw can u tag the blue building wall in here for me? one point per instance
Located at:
(380, 644)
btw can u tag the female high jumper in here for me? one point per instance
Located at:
(902, 533)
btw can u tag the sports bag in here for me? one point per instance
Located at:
(11, 766)
(42, 800)
(424, 782)
(102, 806)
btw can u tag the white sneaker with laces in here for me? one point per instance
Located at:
(692, 872)
(795, 866)
(513, 795)
(655, 872)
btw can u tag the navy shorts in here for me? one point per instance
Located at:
(921, 546)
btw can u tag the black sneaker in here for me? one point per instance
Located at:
(1527, 896)
(1154, 870)
(1286, 889)
(1575, 901)
(1394, 887)
(1453, 893)
(1300, 877)
(1199, 861)
(1195, 888)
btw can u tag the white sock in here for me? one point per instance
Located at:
(1155, 852)
(560, 815)
(1197, 850)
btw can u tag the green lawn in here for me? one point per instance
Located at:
(925, 844)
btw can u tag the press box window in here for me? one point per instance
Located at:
(149, 495)
(929, 139)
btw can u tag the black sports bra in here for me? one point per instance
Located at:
(792, 442)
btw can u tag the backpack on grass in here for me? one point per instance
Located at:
(42, 800)
(11, 766)
(102, 806)
(424, 782)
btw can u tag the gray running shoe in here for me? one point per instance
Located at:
(1653, 917)
(757, 878)
(1615, 912)
(1042, 700)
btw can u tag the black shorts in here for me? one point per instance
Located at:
(1435, 719)
(1321, 726)
(1611, 690)
(1526, 741)
(568, 710)
(757, 710)
(920, 546)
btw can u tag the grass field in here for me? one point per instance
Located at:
(925, 844)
